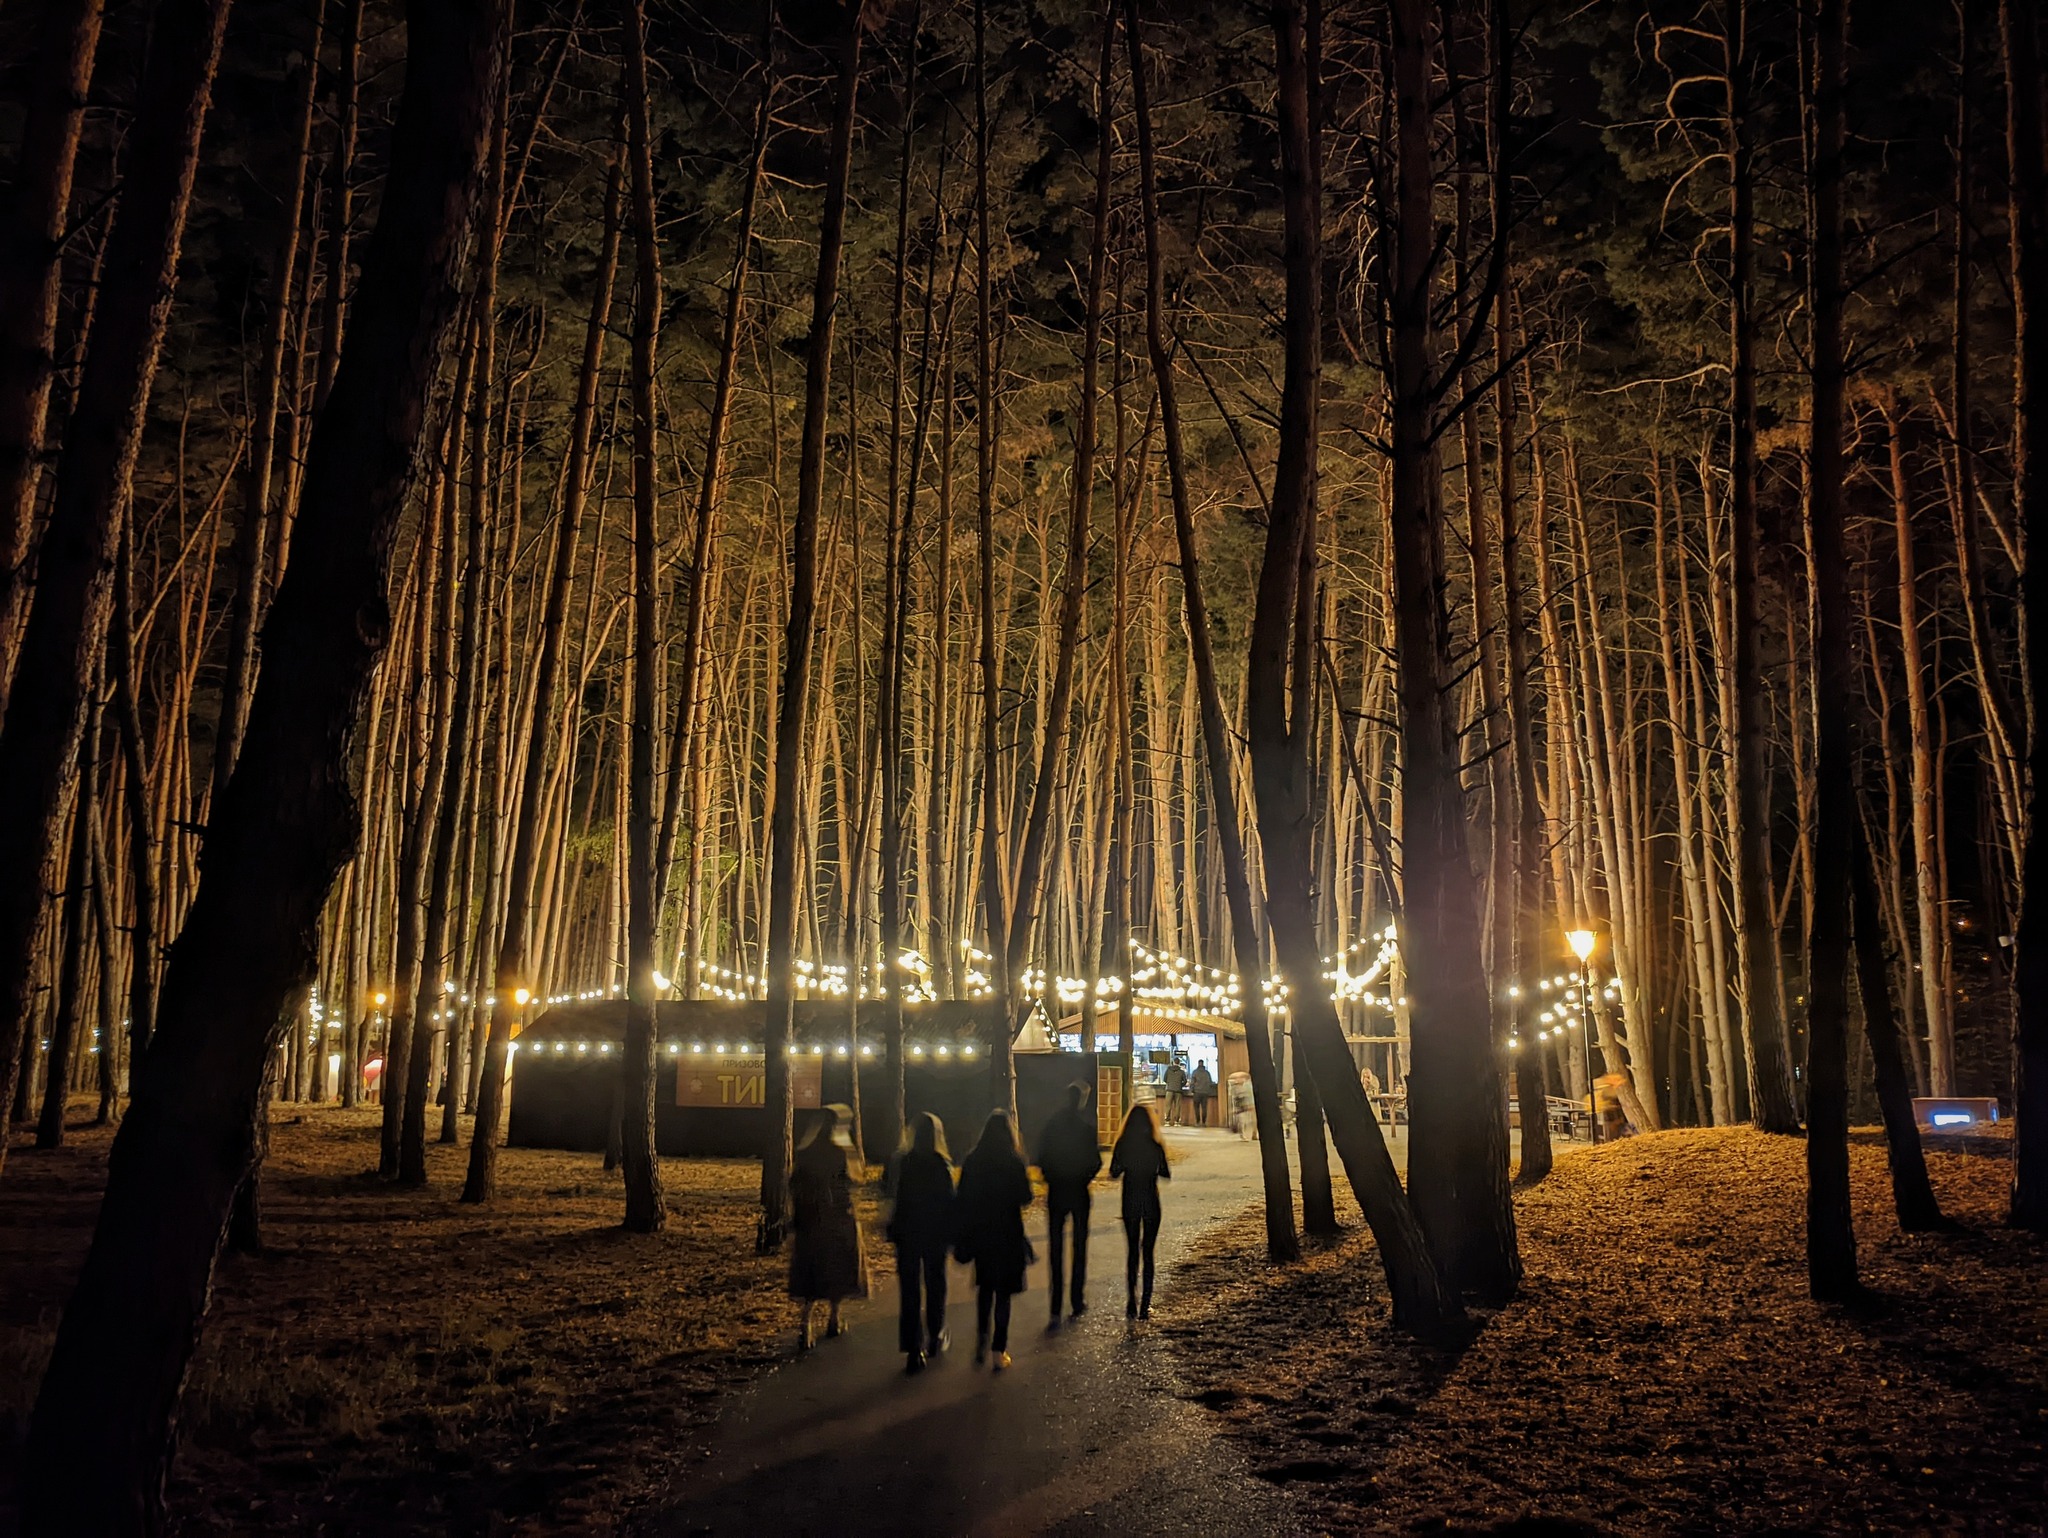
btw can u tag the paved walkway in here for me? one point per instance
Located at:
(1083, 1436)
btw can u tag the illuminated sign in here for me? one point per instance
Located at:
(739, 1081)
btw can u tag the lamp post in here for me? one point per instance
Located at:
(1582, 942)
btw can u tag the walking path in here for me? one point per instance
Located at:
(1083, 1436)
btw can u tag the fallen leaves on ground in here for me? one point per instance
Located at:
(396, 1362)
(1662, 1371)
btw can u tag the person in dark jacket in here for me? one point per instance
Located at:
(1203, 1087)
(826, 1262)
(921, 1228)
(1069, 1158)
(995, 1188)
(1139, 1161)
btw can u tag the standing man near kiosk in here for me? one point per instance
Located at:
(1069, 1157)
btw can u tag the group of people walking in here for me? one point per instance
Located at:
(977, 1221)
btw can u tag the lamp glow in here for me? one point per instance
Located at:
(1582, 942)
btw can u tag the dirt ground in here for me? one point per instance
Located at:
(1663, 1370)
(397, 1362)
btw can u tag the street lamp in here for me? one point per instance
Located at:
(1582, 942)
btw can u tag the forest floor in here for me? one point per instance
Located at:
(1663, 1370)
(399, 1363)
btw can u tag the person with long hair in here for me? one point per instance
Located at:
(1139, 1161)
(826, 1261)
(921, 1227)
(995, 1188)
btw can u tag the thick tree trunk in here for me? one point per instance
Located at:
(1830, 1232)
(646, 1212)
(786, 814)
(101, 1436)
(31, 279)
(67, 623)
(1458, 1165)
(2020, 24)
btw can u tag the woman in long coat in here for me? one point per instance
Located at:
(921, 1228)
(995, 1189)
(1139, 1161)
(826, 1262)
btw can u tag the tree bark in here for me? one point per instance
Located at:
(31, 279)
(100, 1440)
(1749, 831)
(646, 1212)
(514, 975)
(1830, 1231)
(1458, 1167)
(1373, 1176)
(61, 643)
(785, 816)
(2020, 26)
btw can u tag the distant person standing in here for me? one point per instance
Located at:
(826, 1262)
(921, 1228)
(1204, 1086)
(1176, 1087)
(1244, 1119)
(1069, 1158)
(1139, 1161)
(995, 1188)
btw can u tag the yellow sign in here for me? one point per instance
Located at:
(739, 1081)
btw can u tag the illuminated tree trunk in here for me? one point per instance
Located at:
(786, 813)
(1416, 1302)
(513, 974)
(1749, 821)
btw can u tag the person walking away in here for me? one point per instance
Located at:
(1069, 1157)
(826, 1262)
(1139, 1161)
(1204, 1086)
(921, 1228)
(995, 1188)
(1176, 1086)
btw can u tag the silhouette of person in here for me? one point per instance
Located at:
(1069, 1158)
(995, 1188)
(826, 1262)
(921, 1226)
(1139, 1161)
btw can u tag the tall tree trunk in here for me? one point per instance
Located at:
(64, 1018)
(514, 974)
(251, 537)
(1458, 1167)
(141, 842)
(31, 279)
(1749, 820)
(61, 644)
(101, 1436)
(786, 814)
(1830, 1231)
(1417, 1293)
(994, 846)
(2020, 25)
(646, 1213)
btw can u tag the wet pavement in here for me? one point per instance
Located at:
(1084, 1435)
